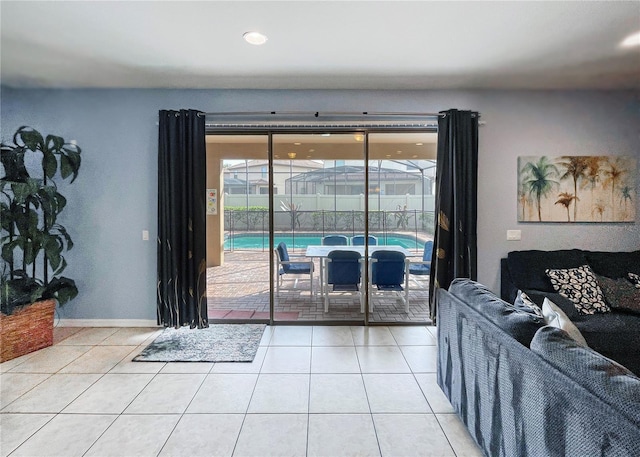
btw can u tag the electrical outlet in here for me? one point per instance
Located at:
(145, 235)
(514, 235)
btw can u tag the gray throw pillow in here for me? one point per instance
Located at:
(580, 286)
(523, 302)
(620, 294)
(555, 317)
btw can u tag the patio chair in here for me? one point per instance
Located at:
(335, 240)
(422, 268)
(389, 273)
(287, 267)
(343, 274)
(358, 240)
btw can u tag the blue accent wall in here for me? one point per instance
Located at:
(114, 197)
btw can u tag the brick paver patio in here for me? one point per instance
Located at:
(239, 289)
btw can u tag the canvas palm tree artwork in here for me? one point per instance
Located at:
(577, 189)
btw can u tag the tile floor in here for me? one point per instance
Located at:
(311, 391)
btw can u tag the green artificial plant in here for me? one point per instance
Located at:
(32, 240)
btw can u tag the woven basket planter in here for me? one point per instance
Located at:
(26, 330)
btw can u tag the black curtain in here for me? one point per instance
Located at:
(456, 210)
(181, 219)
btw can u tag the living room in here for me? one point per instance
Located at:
(115, 196)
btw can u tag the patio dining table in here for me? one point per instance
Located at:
(322, 252)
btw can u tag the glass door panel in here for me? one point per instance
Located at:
(238, 227)
(318, 199)
(401, 207)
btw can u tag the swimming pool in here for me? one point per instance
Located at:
(302, 240)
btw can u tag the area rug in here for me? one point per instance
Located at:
(218, 343)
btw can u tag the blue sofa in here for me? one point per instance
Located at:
(526, 389)
(616, 334)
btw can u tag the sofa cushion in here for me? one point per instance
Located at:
(603, 377)
(615, 335)
(527, 268)
(554, 317)
(613, 264)
(519, 324)
(620, 294)
(580, 286)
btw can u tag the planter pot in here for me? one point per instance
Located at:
(26, 330)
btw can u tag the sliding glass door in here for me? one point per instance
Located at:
(238, 280)
(318, 199)
(401, 207)
(300, 216)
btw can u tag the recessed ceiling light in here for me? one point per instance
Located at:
(418, 144)
(297, 144)
(631, 41)
(256, 38)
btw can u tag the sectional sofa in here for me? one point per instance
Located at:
(615, 332)
(524, 388)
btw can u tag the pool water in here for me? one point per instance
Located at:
(303, 240)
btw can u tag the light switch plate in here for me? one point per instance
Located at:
(514, 235)
(145, 235)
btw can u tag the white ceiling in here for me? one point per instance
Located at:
(320, 44)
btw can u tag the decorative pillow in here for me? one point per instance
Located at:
(620, 294)
(635, 279)
(580, 286)
(524, 303)
(555, 317)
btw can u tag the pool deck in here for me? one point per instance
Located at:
(239, 289)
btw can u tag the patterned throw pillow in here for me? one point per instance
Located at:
(635, 279)
(524, 302)
(580, 286)
(620, 294)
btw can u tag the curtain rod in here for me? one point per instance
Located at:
(318, 113)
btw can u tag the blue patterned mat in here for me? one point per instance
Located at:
(218, 343)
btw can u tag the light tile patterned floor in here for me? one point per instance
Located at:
(311, 391)
(239, 289)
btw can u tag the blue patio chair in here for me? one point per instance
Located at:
(343, 274)
(358, 240)
(422, 268)
(389, 273)
(335, 240)
(287, 267)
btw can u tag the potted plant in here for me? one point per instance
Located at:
(32, 240)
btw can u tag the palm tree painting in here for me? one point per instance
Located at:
(565, 199)
(537, 180)
(577, 189)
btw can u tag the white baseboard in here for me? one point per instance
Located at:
(106, 323)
